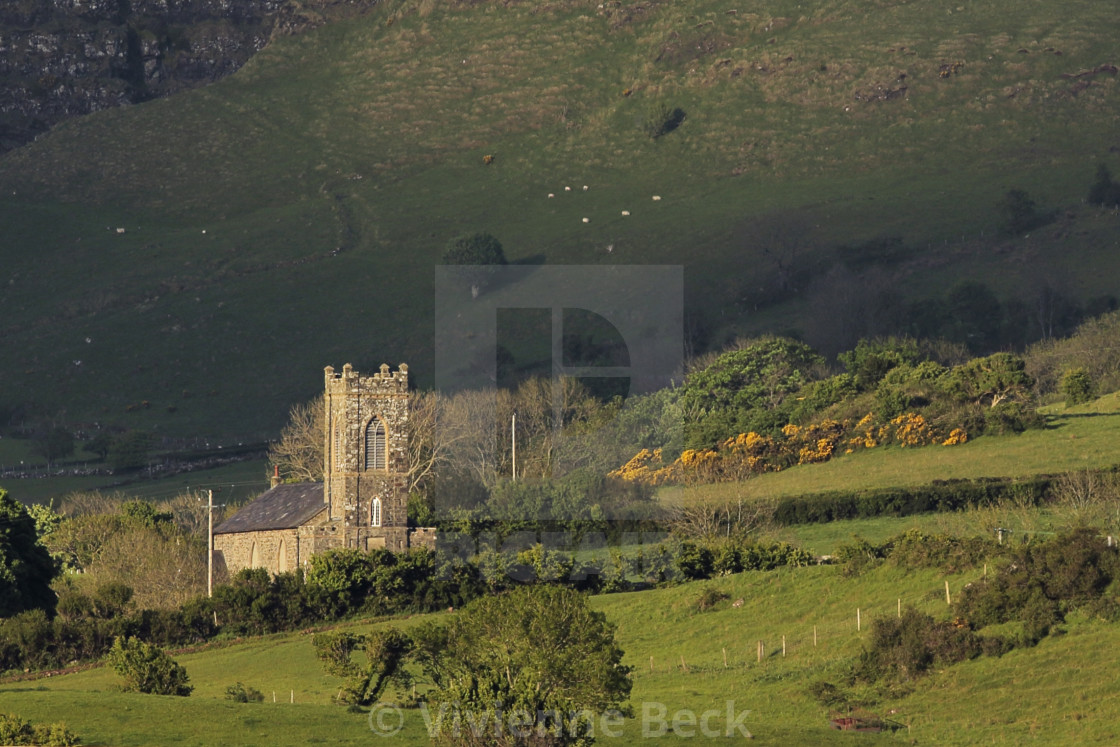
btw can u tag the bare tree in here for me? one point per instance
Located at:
(299, 452)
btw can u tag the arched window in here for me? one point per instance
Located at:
(338, 447)
(282, 557)
(376, 452)
(255, 557)
(375, 513)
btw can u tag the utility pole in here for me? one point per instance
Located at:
(210, 543)
(513, 435)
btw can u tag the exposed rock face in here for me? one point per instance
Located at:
(63, 58)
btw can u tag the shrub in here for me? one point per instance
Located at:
(906, 647)
(17, 731)
(1043, 581)
(238, 693)
(1078, 386)
(662, 120)
(1019, 213)
(147, 669)
(1104, 191)
(709, 598)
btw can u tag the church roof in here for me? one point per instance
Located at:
(282, 507)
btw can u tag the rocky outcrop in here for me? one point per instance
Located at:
(65, 58)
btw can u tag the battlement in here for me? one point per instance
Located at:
(383, 382)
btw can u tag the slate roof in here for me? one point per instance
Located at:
(282, 507)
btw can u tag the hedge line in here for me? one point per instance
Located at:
(939, 496)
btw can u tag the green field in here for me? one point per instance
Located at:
(290, 216)
(1005, 701)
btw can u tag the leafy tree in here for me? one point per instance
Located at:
(129, 451)
(477, 254)
(974, 315)
(991, 380)
(147, 668)
(1019, 213)
(870, 361)
(100, 445)
(53, 444)
(743, 390)
(537, 651)
(385, 651)
(26, 567)
(1104, 191)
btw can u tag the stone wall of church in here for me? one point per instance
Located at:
(353, 402)
(276, 550)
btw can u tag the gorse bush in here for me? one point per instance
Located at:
(17, 731)
(906, 647)
(147, 669)
(1042, 582)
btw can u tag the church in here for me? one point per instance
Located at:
(362, 501)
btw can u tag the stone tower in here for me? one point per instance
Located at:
(365, 474)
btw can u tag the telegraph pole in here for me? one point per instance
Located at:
(210, 543)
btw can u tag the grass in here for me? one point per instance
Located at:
(231, 483)
(290, 216)
(1055, 693)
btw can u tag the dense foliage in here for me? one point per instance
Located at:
(26, 567)
(147, 669)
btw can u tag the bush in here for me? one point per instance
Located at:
(16, 731)
(1104, 191)
(147, 669)
(662, 120)
(238, 693)
(1078, 386)
(709, 598)
(906, 647)
(1019, 213)
(1041, 582)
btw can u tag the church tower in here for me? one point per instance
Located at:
(365, 470)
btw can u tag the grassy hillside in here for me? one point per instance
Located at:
(1022, 698)
(1076, 438)
(290, 216)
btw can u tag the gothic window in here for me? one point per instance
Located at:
(376, 453)
(375, 513)
(255, 557)
(338, 459)
(282, 557)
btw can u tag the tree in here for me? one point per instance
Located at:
(477, 254)
(992, 380)
(536, 659)
(743, 390)
(1104, 191)
(147, 668)
(385, 651)
(299, 452)
(26, 567)
(1019, 213)
(52, 444)
(130, 451)
(1078, 386)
